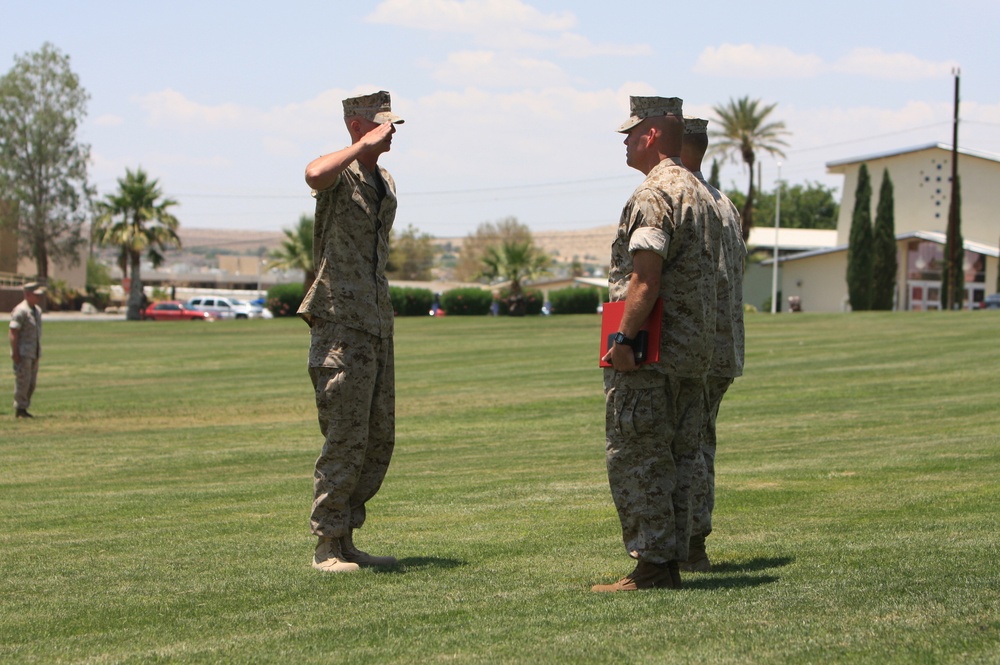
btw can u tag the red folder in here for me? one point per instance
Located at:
(611, 320)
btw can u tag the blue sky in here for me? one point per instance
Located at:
(511, 105)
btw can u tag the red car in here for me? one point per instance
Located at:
(173, 310)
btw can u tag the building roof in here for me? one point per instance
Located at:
(932, 236)
(792, 239)
(840, 165)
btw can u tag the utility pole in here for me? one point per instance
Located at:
(777, 227)
(953, 262)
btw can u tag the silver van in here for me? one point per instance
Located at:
(221, 307)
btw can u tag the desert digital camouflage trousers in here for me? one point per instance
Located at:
(715, 390)
(25, 378)
(354, 378)
(655, 467)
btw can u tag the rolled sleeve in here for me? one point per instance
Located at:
(649, 239)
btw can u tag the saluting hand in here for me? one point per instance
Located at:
(379, 138)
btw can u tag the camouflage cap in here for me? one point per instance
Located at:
(34, 287)
(650, 107)
(375, 107)
(695, 126)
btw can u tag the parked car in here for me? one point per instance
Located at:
(990, 302)
(259, 310)
(173, 310)
(221, 308)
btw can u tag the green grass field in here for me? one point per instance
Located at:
(156, 509)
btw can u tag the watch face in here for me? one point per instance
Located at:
(620, 338)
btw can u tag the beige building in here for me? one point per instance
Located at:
(921, 179)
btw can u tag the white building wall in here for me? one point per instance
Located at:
(922, 192)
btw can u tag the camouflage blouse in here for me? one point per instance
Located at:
(671, 214)
(350, 249)
(727, 360)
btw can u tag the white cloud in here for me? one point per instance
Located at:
(468, 16)
(109, 120)
(492, 69)
(540, 134)
(779, 62)
(876, 63)
(500, 24)
(171, 107)
(752, 61)
(281, 147)
(566, 44)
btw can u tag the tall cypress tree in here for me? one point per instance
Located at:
(884, 262)
(713, 178)
(859, 247)
(959, 292)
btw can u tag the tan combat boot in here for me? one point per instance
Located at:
(646, 576)
(356, 556)
(697, 561)
(330, 559)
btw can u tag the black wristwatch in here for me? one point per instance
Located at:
(620, 338)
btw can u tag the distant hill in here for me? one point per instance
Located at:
(229, 240)
(588, 245)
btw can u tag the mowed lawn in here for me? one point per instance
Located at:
(156, 509)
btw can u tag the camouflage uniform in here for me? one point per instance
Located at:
(351, 352)
(27, 320)
(727, 360)
(655, 414)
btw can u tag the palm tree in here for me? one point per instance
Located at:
(296, 251)
(746, 130)
(515, 260)
(136, 219)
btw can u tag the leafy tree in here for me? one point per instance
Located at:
(884, 261)
(411, 255)
(859, 247)
(808, 206)
(43, 168)
(296, 251)
(745, 131)
(515, 261)
(803, 206)
(470, 261)
(98, 275)
(952, 296)
(136, 219)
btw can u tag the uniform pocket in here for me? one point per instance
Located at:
(640, 404)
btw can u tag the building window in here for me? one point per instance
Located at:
(924, 261)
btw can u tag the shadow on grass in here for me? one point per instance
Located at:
(731, 578)
(414, 563)
(714, 583)
(753, 565)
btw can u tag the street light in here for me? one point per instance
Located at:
(777, 227)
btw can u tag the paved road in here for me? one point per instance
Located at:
(48, 317)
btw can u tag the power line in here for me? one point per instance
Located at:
(869, 138)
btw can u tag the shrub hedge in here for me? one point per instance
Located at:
(575, 300)
(407, 301)
(466, 301)
(284, 299)
(534, 299)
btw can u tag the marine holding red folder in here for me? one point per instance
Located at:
(664, 272)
